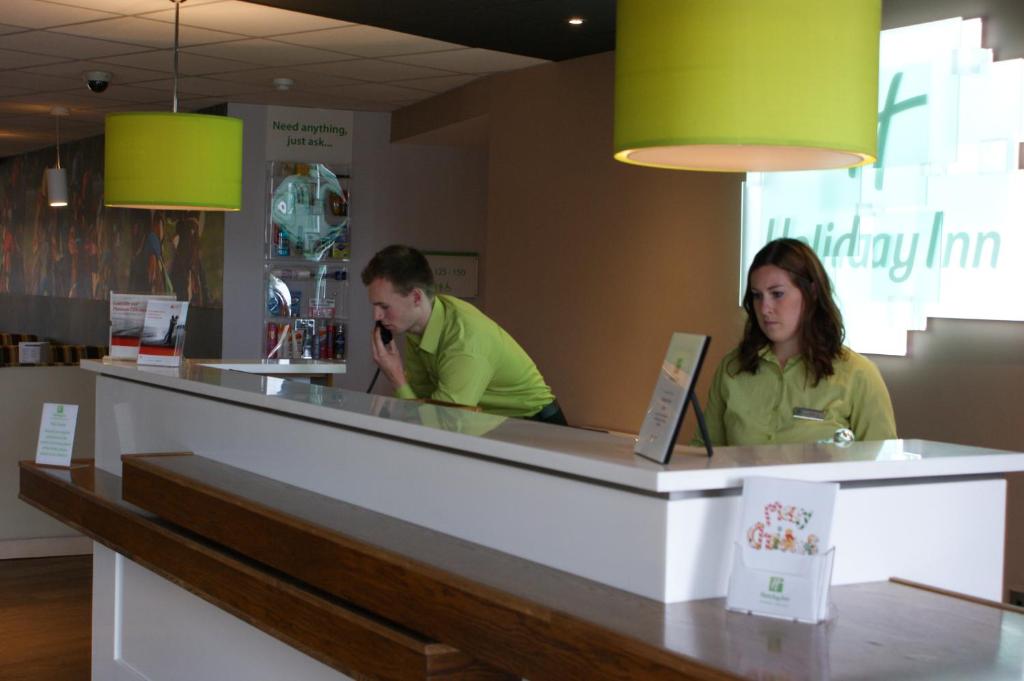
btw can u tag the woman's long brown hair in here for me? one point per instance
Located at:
(821, 325)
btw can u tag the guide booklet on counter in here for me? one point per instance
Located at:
(163, 333)
(127, 315)
(782, 566)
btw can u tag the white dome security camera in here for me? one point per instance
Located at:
(97, 80)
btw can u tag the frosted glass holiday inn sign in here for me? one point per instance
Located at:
(935, 228)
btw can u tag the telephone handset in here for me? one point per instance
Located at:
(385, 334)
(385, 338)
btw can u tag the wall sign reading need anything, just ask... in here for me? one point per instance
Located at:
(309, 135)
(935, 228)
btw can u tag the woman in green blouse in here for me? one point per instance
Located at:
(791, 379)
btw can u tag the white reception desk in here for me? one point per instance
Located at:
(575, 500)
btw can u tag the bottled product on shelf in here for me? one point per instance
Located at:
(308, 338)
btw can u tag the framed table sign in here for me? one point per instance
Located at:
(672, 392)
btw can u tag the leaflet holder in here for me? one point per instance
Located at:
(781, 585)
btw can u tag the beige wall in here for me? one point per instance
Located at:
(592, 264)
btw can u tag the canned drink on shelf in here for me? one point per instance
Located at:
(321, 332)
(307, 330)
(331, 331)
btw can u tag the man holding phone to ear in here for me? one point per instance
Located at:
(453, 351)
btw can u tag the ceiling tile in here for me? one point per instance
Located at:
(7, 90)
(243, 17)
(373, 70)
(121, 73)
(438, 84)
(146, 32)
(45, 123)
(10, 59)
(40, 83)
(290, 98)
(137, 94)
(43, 102)
(232, 50)
(208, 87)
(36, 14)
(304, 79)
(316, 101)
(127, 6)
(189, 64)
(379, 92)
(353, 103)
(471, 60)
(100, 114)
(367, 41)
(62, 45)
(263, 52)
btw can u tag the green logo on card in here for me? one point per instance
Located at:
(775, 584)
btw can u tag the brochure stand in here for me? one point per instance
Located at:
(782, 585)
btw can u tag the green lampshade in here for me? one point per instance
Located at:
(173, 161)
(738, 85)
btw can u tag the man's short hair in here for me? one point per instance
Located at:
(404, 266)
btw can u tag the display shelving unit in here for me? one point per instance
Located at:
(306, 259)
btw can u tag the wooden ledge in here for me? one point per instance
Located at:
(534, 621)
(542, 623)
(344, 637)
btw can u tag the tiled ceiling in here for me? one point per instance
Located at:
(230, 51)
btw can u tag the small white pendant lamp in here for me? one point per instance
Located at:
(57, 178)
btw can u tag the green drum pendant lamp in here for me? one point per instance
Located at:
(160, 159)
(747, 85)
(171, 160)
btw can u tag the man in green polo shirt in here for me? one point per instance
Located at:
(453, 351)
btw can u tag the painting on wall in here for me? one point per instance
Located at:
(87, 250)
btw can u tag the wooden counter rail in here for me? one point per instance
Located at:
(354, 642)
(542, 623)
(520, 616)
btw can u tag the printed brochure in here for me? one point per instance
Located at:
(163, 333)
(127, 315)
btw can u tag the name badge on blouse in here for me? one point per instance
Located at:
(808, 414)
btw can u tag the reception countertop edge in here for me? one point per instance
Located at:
(602, 458)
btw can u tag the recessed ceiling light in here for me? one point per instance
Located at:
(575, 21)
